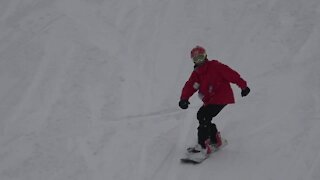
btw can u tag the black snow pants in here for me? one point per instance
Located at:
(206, 128)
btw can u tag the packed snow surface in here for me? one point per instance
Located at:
(89, 89)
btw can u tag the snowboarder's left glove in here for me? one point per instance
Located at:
(245, 91)
(184, 104)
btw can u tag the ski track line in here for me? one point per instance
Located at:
(313, 166)
(142, 163)
(174, 169)
(317, 157)
(38, 75)
(162, 163)
(165, 112)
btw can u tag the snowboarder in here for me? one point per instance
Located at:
(212, 81)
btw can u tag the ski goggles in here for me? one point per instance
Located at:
(199, 58)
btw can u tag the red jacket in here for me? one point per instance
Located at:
(212, 81)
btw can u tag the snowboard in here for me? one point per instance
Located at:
(197, 158)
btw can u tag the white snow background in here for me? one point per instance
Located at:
(89, 89)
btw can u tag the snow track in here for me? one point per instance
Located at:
(89, 89)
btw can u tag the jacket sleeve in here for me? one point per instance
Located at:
(190, 87)
(232, 76)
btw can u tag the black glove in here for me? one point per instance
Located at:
(245, 91)
(183, 104)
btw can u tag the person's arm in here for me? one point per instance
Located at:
(190, 87)
(232, 76)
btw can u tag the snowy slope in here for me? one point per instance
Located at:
(89, 89)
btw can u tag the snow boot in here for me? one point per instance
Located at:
(199, 149)
(219, 142)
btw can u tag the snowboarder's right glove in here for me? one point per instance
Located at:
(184, 104)
(245, 91)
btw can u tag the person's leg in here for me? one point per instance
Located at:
(207, 129)
(214, 111)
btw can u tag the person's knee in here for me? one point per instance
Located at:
(204, 123)
(203, 118)
(200, 116)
